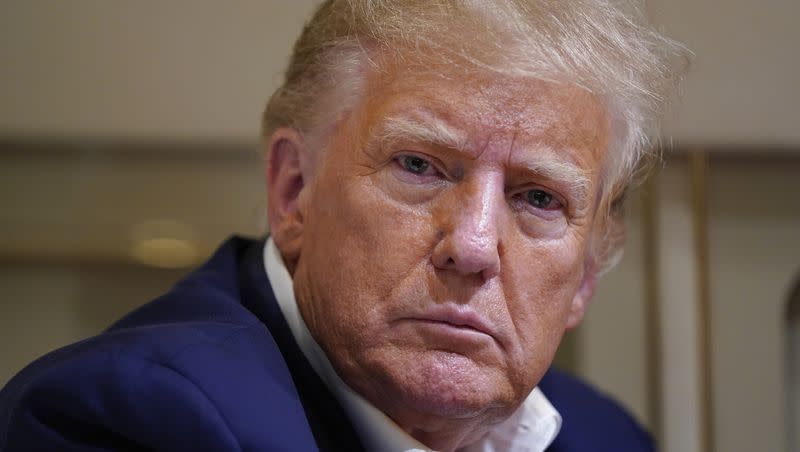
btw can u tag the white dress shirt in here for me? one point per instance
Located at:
(531, 428)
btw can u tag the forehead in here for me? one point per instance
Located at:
(490, 107)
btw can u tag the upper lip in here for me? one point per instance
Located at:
(457, 315)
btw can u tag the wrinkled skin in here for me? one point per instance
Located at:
(393, 243)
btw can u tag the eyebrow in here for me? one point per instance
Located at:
(431, 130)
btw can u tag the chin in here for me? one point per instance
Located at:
(451, 385)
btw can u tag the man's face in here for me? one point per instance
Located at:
(444, 242)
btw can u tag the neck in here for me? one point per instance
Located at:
(448, 441)
(448, 435)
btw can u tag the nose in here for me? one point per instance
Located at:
(470, 228)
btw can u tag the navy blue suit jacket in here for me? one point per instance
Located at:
(212, 365)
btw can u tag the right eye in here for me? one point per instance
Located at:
(415, 165)
(543, 200)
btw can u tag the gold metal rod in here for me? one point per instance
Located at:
(652, 290)
(699, 168)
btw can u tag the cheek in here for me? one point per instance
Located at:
(547, 282)
(384, 234)
(361, 246)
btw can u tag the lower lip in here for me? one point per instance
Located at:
(451, 331)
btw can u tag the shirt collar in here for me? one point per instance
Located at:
(531, 428)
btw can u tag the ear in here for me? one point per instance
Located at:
(286, 165)
(584, 295)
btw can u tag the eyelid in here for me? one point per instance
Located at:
(558, 205)
(520, 196)
(554, 193)
(435, 163)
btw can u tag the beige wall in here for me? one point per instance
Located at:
(79, 203)
(755, 262)
(743, 88)
(201, 69)
(174, 70)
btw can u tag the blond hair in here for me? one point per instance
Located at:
(607, 47)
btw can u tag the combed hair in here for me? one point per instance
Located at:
(605, 46)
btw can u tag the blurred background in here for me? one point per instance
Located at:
(129, 151)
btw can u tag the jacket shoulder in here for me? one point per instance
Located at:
(201, 386)
(192, 370)
(591, 420)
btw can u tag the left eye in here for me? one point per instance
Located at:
(414, 164)
(542, 200)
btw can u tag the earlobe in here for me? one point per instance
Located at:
(584, 295)
(286, 160)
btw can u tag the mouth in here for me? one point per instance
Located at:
(457, 319)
